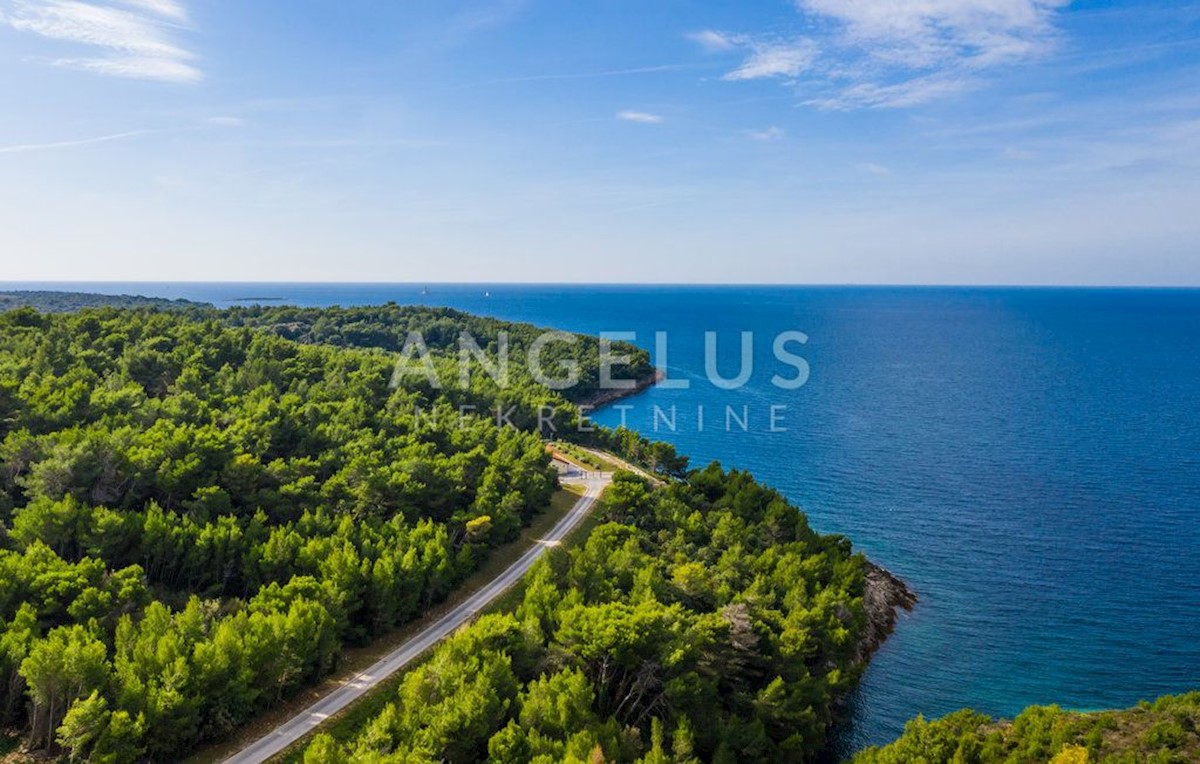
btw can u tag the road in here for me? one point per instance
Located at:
(310, 718)
(614, 459)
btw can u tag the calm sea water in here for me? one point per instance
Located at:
(1028, 460)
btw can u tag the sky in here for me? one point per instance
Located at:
(789, 141)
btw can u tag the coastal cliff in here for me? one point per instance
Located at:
(884, 596)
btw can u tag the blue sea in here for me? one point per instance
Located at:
(1028, 460)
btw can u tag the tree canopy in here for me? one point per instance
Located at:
(197, 514)
(66, 302)
(702, 620)
(199, 509)
(1166, 731)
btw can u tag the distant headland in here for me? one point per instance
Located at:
(67, 302)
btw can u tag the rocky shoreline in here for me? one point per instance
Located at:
(609, 397)
(884, 596)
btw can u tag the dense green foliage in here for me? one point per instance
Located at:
(388, 327)
(65, 302)
(703, 620)
(195, 517)
(1166, 731)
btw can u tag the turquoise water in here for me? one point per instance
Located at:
(1027, 459)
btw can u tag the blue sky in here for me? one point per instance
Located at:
(806, 141)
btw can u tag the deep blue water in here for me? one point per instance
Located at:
(1027, 459)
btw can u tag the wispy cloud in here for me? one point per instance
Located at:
(28, 147)
(168, 9)
(775, 59)
(642, 117)
(928, 33)
(210, 124)
(713, 41)
(877, 170)
(766, 134)
(489, 13)
(911, 92)
(894, 53)
(127, 38)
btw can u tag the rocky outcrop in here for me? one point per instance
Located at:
(604, 398)
(883, 599)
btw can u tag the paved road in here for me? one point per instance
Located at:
(310, 718)
(613, 458)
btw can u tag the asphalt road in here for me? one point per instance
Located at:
(310, 718)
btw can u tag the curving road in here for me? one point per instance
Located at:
(310, 718)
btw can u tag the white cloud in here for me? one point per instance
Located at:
(774, 59)
(28, 147)
(642, 117)
(927, 33)
(135, 67)
(766, 134)
(168, 9)
(896, 53)
(875, 169)
(135, 38)
(713, 41)
(913, 92)
(226, 121)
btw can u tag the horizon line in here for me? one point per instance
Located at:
(24, 284)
